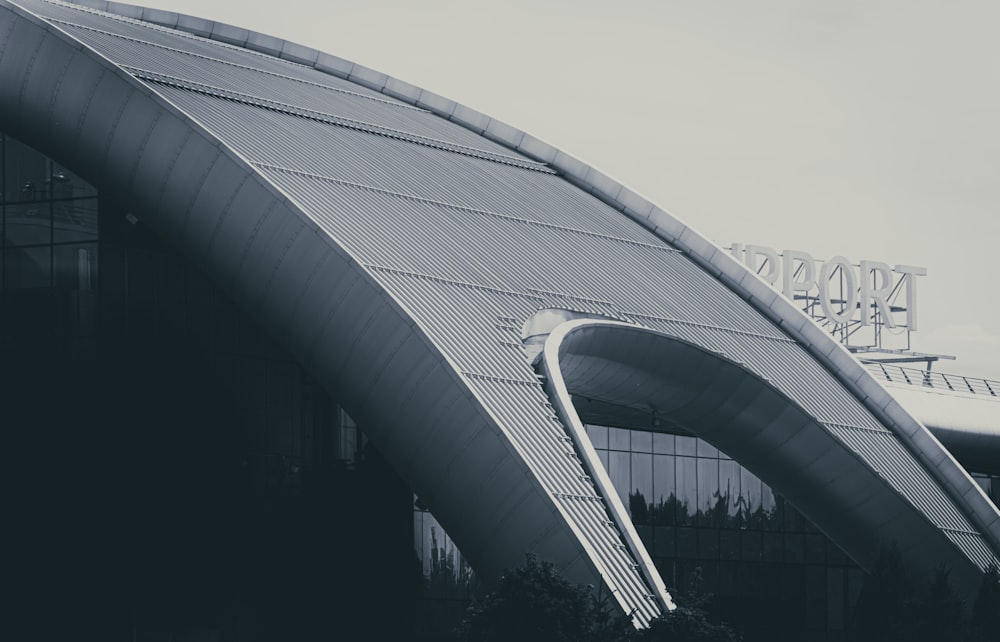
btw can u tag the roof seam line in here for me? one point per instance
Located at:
(462, 208)
(746, 333)
(332, 119)
(238, 65)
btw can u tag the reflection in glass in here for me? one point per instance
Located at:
(25, 173)
(663, 506)
(663, 443)
(751, 487)
(619, 439)
(708, 512)
(642, 475)
(27, 224)
(74, 220)
(75, 266)
(686, 445)
(687, 490)
(642, 441)
(710, 501)
(598, 436)
(27, 267)
(729, 488)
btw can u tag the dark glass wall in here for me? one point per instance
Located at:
(701, 514)
(174, 474)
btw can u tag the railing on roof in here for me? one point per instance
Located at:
(937, 380)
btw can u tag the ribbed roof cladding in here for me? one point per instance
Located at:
(472, 238)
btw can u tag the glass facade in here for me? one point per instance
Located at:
(49, 255)
(699, 512)
(177, 475)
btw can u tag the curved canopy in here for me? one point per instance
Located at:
(681, 385)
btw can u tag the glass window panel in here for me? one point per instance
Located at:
(751, 545)
(664, 542)
(855, 580)
(641, 490)
(687, 543)
(645, 533)
(708, 543)
(664, 499)
(74, 220)
(751, 578)
(770, 508)
(729, 578)
(27, 267)
(75, 266)
(706, 449)
(729, 544)
(26, 173)
(750, 487)
(618, 470)
(815, 548)
(66, 184)
(27, 224)
(642, 441)
(772, 547)
(687, 490)
(710, 502)
(686, 445)
(598, 435)
(663, 443)
(794, 548)
(836, 613)
(729, 489)
(816, 597)
(618, 439)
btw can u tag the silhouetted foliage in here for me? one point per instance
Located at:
(689, 622)
(985, 624)
(938, 615)
(884, 606)
(533, 602)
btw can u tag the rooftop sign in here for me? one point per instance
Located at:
(843, 296)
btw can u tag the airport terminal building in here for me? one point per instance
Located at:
(281, 335)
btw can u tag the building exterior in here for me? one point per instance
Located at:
(245, 238)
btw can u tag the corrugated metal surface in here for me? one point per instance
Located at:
(472, 246)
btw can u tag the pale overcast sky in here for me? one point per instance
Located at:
(864, 128)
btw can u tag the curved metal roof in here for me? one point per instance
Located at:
(396, 242)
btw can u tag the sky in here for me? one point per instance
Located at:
(862, 128)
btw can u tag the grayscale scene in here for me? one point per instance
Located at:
(441, 321)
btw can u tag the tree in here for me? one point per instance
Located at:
(884, 607)
(533, 602)
(939, 615)
(985, 625)
(689, 621)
